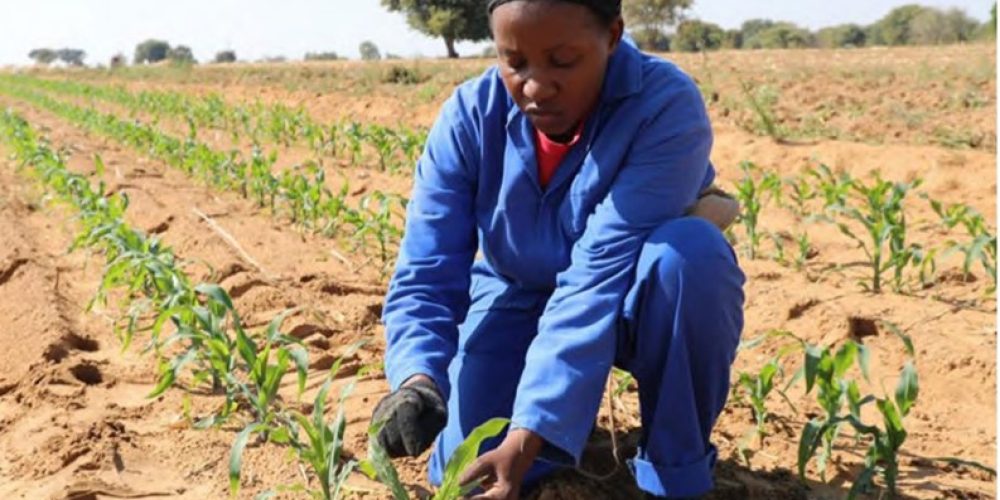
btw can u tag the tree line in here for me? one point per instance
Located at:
(661, 25)
(906, 25)
(155, 51)
(657, 25)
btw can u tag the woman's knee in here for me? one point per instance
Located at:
(690, 245)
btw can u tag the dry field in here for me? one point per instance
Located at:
(283, 184)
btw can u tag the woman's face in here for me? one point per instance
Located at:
(553, 56)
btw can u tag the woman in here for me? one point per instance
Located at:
(569, 166)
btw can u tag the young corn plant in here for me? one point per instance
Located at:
(379, 467)
(982, 245)
(264, 378)
(751, 193)
(833, 188)
(882, 457)
(881, 215)
(384, 142)
(375, 219)
(825, 370)
(317, 443)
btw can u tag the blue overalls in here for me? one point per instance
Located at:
(599, 269)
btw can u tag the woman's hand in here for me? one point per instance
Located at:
(411, 417)
(717, 207)
(503, 469)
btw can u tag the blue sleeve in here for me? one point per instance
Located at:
(429, 292)
(568, 362)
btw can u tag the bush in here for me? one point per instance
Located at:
(935, 27)
(844, 35)
(651, 39)
(894, 28)
(151, 51)
(181, 54)
(369, 51)
(732, 39)
(694, 35)
(225, 56)
(402, 75)
(321, 56)
(43, 56)
(781, 36)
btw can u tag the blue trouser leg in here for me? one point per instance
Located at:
(680, 327)
(484, 375)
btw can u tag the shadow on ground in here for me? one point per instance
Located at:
(602, 479)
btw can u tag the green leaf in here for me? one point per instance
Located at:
(907, 389)
(893, 424)
(864, 357)
(236, 457)
(169, 371)
(99, 167)
(216, 293)
(907, 341)
(301, 359)
(381, 466)
(814, 354)
(808, 443)
(844, 358)
(465, 455)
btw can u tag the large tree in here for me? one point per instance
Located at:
(648, 20)
(840, 36)
(369, 51)
(935, 27)
(694, 36)
(894, 28)
(72, 57)
(43, 56)
(151, 51)
(452, 20)
(181, 54)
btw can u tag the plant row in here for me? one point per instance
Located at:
(394, 149)
(299, 193)
(207, 340)
(871, 214)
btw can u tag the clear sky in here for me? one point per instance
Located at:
(258, 28)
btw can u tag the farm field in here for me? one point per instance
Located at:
(238, 223)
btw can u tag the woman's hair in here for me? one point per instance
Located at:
(606, 10)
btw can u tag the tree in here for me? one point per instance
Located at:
(694, 35)
(783, 35)
(43, 56)
(988, 30)
(151, 51)
(72, 57)
(648, 20)
(935, 27)
(843, 35)
(452, 20)
(225, 56)
(751, 28)
(732, 39)
(181, 54)
(369, 51)
(651, 39)
(894, 28)
(321, 56)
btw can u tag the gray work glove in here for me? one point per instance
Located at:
(412, 418)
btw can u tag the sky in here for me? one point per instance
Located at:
(290, 28)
